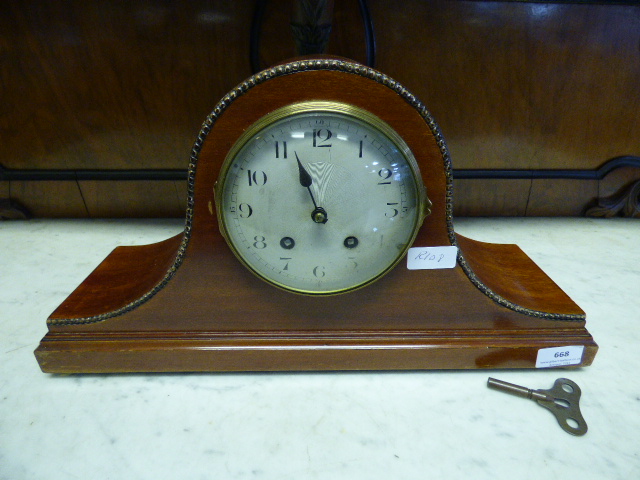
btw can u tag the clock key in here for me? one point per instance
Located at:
(562, 400)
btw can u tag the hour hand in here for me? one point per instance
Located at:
(319, 214)
(305, 178)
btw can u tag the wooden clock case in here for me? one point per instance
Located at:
(187, 304)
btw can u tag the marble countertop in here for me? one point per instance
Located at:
(404, 425)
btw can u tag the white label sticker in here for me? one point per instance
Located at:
(429, 258)
(559, 356)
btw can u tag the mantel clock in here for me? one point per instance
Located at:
(308, 184)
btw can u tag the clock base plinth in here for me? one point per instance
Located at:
(214, 316)
(303, 352)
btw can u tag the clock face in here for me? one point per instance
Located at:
(320, 198)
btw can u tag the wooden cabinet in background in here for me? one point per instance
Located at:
(528, 88)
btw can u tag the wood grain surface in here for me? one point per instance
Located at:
(104, 85)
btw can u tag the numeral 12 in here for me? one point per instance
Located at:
(320, 136)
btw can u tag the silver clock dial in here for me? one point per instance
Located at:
(320, 198)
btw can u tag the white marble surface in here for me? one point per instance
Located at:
(422, 425)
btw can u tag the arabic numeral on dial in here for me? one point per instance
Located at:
(392, 212)
(281, 149)
(259, 242)
(286, 260)
(318, 272)
(244, 210)
(384, 174)
(321, 136)
(256, 178)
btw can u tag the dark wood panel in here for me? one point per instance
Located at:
(551, 197)
(104, 85)
(520, 85)
(50, 199)
(477, 198)
(134, 198)
(114, 84)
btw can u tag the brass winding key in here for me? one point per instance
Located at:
(561, 400)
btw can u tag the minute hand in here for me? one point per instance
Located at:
(319, 214)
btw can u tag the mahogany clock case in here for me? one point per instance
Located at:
(187, 304)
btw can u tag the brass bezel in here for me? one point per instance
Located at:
(423, 203)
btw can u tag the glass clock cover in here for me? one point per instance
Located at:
(320, 198)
